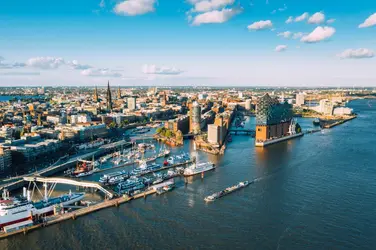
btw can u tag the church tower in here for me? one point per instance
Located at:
(109, 98)
(95, 97)
(119, 93)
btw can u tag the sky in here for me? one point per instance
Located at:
(188, 43)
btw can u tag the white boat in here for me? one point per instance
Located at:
(15, 210)
(198, 168)
(105, 158)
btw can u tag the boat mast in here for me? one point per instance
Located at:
(45, 192)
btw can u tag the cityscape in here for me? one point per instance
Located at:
(217, 152)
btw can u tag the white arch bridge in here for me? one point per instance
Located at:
(73, 182)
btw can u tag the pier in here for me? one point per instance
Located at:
(242, 132)
(272, 141)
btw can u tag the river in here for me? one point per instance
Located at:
(313, 192)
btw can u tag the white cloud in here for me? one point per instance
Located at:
(208, 5)
(100, 73)
(261, 25)
(279, 9)
(370, 21)
(215, 16)
(357, 53)
(317, 18)
(5, 65)
(290, 19)
(283, 8)
(286, 34)
(319, 34)
(134, 7)
(281, 48)
(297, 35)
(76, 65)
(45, 62)
(155, 70)
(302, 17)
(331, 20)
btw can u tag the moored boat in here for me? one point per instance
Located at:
(198, 168)
(14, 210)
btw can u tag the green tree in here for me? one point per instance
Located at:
(112, 125)
(168, 133)
(298, 129)
(124, 123)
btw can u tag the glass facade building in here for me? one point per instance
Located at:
(269, 111)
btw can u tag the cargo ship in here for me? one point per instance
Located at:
(198, 168)
(14, 210)
(227, 191)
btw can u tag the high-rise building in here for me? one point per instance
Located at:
(299, 99)
(109, 98)
(214, 134)
(248, 104)
(5, 159)
(131, 102)
(195, 118)
(272, 118)
(326, 107)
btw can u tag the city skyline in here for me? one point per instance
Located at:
(187, 42)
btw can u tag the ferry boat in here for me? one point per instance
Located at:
(227, 191)
(176, 159)
(144, 168)
(117, 179)
(132, 184)
(106, 177)
(198, 168)
(14, 210)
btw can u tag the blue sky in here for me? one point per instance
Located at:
(188, 42)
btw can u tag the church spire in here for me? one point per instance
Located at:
(119, 93)
(109, 99)
(95, 97)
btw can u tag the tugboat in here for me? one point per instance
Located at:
(227, 191)
(164, 189)
(316, 122)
